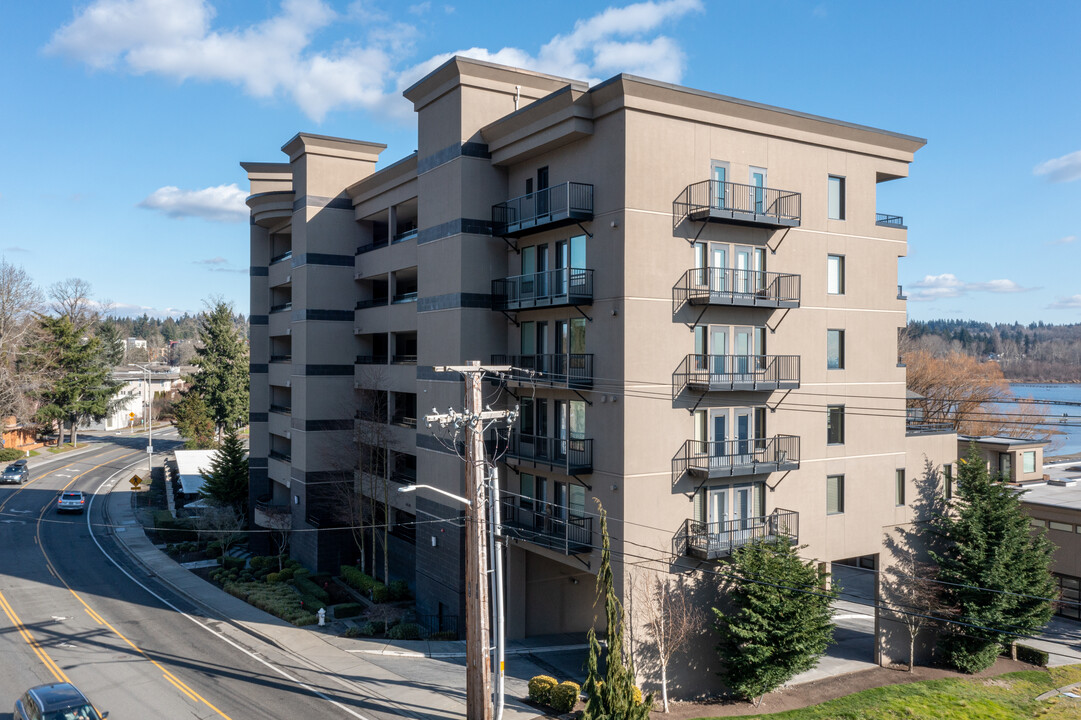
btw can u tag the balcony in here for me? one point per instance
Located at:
(279, 258)
(281, 409)
(727, 202)
(710, 541)
(731, 458)
(403, 359)
(891, 221)
(573, 456)
(410, 234)
(281, 358)
(923, 427)
(373, 302)
(547, 525)
(554, 370)
(901, 293)
(736, 373)
(272, 517)
(406, 297)
(283, 457)
(372, 360)
(553, 207)
(744, 288)
(281, 308)
(551, 288)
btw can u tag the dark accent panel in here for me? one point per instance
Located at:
(256, 462)
(258, 319)
(254, 417)
(469, 149)
(440, 569)
(258, 271)
(323, 259)
(257, 368)
(313, 370)
(315, 477)
(476, 149)
(316, 314)
(320, 425)
(454, 227)
(430, 442)
(454, 300)
(427, 372)
(322, 202)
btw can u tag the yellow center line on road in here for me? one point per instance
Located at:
(47, 661)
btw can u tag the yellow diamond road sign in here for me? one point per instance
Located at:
(131, 415)
(135, 481)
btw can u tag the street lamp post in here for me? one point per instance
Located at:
(149, 404)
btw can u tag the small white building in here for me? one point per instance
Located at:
(133, 406)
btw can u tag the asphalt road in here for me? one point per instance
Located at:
(72, 608)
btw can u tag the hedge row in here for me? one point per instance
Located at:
(560, 696)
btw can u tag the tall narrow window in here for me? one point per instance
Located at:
(835, 425)
(899, 491)
(835, 494)
(1029, 461)
(835, 274)
(835, 349)
(837, 197)
(947, 481)
(1005, 466)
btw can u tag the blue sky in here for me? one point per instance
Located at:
(124, 121)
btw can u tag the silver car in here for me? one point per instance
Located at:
(71, 501)
(16, 472)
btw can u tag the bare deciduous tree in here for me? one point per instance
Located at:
(223, 523)
(20, 299)
(71, 299)
(911, 594)
(669, 617)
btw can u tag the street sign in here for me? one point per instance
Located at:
(131, 416)
(136, 481)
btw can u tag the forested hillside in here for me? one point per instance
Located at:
(1037, 352)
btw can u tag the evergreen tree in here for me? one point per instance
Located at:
(222, 378)
(193, 421)
(996, 572)
(112, 345)
(615, 697)
(227, 481)
(778, 622)
(75, 382)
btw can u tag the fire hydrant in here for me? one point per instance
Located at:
(322, 615)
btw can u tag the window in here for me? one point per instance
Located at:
(947, 480)
(1005, 466)
(1060, 526)
(835, 494)
(899, 482)
(837, 198)
(835, 425)
(528, 492)
(835, 274)
(1028, 459)
(835, 349)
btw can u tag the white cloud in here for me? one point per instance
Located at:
(15, 249)
(1063, 240)
(277, 57)
(1061, 169)
(948, 285)
(219, 260)
(223, 203)
(1071, 303)
(130, 310)
(219, 264)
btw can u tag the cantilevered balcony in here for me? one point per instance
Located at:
(551, 288)
(736, 373)
(557, 370)
(547, 525)
(730, 458)
(553, 207)
(710, 541)
(891, 221)
(727, 202)
(270, 516)
(728, 286)
(572, 456)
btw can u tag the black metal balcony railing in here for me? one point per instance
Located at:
(736, 203)
(374, 302)
(710, 541)
(728, 458)
(894, 221)
(924, 427)
(281, 409)
(281, 308)
(573, 455)
(901, 293)
(281, 358)
(373, 245)
(551, 288)
(277, 455)
(372, 359)
(564, 370)
(547, 525)
(403, 359)
(563, 204)
(719, 373)
(405, 235)
(728, 286)
(406, 297)
(284, 256)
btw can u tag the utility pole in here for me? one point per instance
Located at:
(478, 683)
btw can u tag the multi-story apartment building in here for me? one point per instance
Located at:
(703, 286)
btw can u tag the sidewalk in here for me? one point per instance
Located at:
(419, 679)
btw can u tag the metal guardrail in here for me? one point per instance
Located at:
(573, 455)
(736, 202)
(548, 525)
(284, 457)
(404, 298)
(405, 235)
(889, 220)
(737, 457)
(404, 421)
(281, 358)
(919, 427)
(281, 308)
(372, 359)
(284, 256)
(562, 369)
(901, 293)
(569, 201)
(433, 624)
(718, 373)
(403, 359)
(710, 541)
(374, 302)
(374, 245)
(282, 409)
(551, 288)
(729, 286)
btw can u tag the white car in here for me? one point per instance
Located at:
(71, 501)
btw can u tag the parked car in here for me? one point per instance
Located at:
(60, 701)
(71, 501)
(16, 472)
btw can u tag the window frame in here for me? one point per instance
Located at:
(839, 430)
(899, 487)
(1027, 455)
(840, 274)
(836, 181)
(839, 509)
(840, 363)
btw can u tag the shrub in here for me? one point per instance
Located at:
(287, 574)
(273, 577)
(564, 696)
(366, 630)
(1031, 655)
(232, 563)
(970, 654)
(9, 454)
(357, 580)
(540, 688)
(399, 590)
(637, 695)
(405, 631)
(311, 603)
(351, 632)
(259, 562)
(307, 587)
(213, 550)
(380, 593)
(307, 619)
(347, 610)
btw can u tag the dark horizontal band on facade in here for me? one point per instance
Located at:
(320, 425)
(258, 319)
(319, 201)
(450, 301)
(258, 271)
(427, 372)
(324, 370)
(257, 368)
(254, 417)
(318, 314)
(323, 259)
(467, 149)
(454, 227)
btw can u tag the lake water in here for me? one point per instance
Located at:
(1064, 400)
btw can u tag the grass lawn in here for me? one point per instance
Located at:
(1005, 697)
(63, 448)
